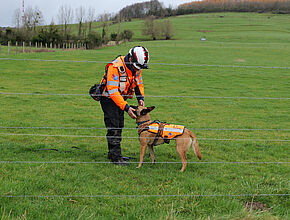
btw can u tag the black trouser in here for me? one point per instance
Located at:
(114, 121)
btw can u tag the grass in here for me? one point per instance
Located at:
(243, 39)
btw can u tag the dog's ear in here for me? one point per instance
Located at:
(147, 110)
(151, 108)
(134, 107)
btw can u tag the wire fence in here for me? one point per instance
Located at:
(92, 136)
(152, 96)
(134, 162)
(165, 64)
(137, 196)
(135, 128)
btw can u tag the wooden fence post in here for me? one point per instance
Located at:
(16, 45)
(23, 47)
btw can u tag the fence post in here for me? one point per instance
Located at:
(23, 46)
(8, 47)
(41, 45)
(16, 44)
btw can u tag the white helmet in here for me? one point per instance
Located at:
(140, 57)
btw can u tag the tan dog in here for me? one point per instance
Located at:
(150, 139)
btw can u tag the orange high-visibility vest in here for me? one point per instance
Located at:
(169, 131)
(162, 129)
(120, 82)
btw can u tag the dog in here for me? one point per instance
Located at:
(150, 139)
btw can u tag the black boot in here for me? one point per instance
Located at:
(120, 161)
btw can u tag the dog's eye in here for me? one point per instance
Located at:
(143, 112)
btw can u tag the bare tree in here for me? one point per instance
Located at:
(91, 17)
(28, 15)
(151, 28)
(104, 17)
(17, 18)
(167, 29)
(32, 18)
(80, 16)
(65, 17)
(37, 18)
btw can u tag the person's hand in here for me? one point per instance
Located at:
(131, 113)
(141, 103)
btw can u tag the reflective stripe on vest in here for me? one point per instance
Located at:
(154, 128)
(139, 80)
(178, 130)
(112, 91)
(122, 86)
(123, 78)
(112, 83)
(169, 131)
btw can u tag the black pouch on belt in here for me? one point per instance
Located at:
(96, 91)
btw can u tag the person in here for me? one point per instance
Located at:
(123, 77)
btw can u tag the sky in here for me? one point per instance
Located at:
(49, 8)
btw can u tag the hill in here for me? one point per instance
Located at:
(261, 6)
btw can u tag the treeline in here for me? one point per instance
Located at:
(157, 9)
(143, 10)
(74, 26)
(260, 6)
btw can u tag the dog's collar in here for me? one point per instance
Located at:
(142, 122)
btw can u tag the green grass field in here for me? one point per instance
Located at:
(102, 190)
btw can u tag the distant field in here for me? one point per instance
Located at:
(238, 115)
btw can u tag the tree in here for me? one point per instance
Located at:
(48, 34)
(151, 28)
(167, 29)
(127, 35)
(91, 17)
(65, 17)
(32, 18)
(142, 10)
(93, 40)
(80, 16)
(17, 18)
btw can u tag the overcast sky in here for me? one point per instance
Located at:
(49, 8)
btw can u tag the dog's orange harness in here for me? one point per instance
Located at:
(162, 129)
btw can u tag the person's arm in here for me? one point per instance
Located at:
(139, 89)
(113, 90)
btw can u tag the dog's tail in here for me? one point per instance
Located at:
(195, 145)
